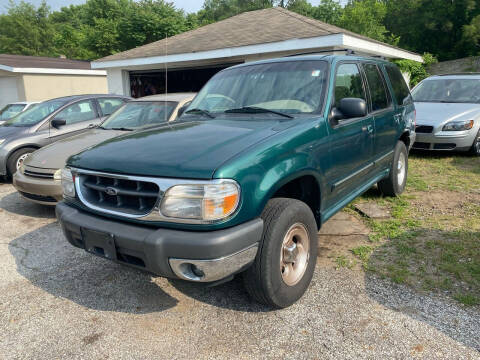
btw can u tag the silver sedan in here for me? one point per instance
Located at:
(448, 113)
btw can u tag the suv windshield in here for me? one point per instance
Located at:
(35, 114)
(10, 111)
(448, 90)
(139, 114)
(293, 87)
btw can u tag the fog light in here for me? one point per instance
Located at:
(197, 271)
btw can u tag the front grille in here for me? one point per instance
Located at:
(125, 196)
(421, 145)
(38, 174)
(446, 146)
(47, 199)
(424, 129)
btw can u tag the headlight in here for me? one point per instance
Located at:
(205, 202)
(458, 125)
(2, 141)
(57, 175)
(68, 183)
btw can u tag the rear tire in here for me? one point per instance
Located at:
(16, 159)
(475, 149)
(287, 254)
(394, 185)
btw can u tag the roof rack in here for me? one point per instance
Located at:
(346, 51)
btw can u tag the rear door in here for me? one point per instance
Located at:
(351, 140)
(382, 111)
(78, 117)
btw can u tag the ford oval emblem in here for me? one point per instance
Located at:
(111, 191)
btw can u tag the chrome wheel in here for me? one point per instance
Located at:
(401, 169)
(21, 159)
(476, 144)
(295, 254)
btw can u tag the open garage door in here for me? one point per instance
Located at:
(144, 83)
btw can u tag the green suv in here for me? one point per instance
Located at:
(242, 182)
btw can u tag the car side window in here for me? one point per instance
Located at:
(400, 87)
(348, 83)
(109, 105)
(378, 91)
(78, 112)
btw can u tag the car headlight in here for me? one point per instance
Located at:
(57, 175)
(204, 202)
(68, 183)
(458, 125)
(2, 141)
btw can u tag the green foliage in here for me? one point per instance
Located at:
(417, 71)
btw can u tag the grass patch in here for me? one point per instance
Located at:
(342, 261)
(430, 244)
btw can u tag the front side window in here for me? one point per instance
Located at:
(109, 105)
(35, 114)
(378, 92)
(348, 83)
(448, 91)
(400, 87)
(292, 87)
(78, 112)
(138, 114)
(10, 111)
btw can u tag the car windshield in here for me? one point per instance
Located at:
(35, 114)
(10, 111)
(448, 91)
(139, 114)
(292, 87)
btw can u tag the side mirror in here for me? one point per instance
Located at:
(182, 110)
(56, 123)
(350, 108)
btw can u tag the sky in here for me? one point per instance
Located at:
(187, 5)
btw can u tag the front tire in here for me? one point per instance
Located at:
(475, 149)
(287, 254)
(17, 158)
(394, 185)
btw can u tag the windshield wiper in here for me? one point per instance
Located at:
(257, 110)
(121, 129)
(201, 112)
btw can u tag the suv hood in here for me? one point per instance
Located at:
(183, 150)
(440, 113)
(55, 156)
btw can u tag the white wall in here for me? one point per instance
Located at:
(118, 82)
(8, 90)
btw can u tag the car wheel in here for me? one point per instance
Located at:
(394, 184)
(17, 158)
(287, 254)
(475, 149)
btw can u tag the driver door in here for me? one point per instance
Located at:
(350, 140)
(78, 117)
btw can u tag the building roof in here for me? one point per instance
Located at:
(20, 61)
(46, 65)
(249, 28)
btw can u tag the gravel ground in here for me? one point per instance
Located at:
(59, 302)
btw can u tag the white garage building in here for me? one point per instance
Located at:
(191, 58)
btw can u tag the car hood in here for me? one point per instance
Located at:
(55, 156)
(182, 150)
(10, 132)
(439, 113)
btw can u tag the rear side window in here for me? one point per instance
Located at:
(400, 87)
(378, 92)
(348, 83)
(78, 112)
(109, 105)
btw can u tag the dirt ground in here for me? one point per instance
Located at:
(57, 301)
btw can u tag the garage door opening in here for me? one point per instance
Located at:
(183, 80)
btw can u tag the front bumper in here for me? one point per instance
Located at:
(191, 255)
(41, 191)
(445, 140)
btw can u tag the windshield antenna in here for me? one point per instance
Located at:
(166, 74)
